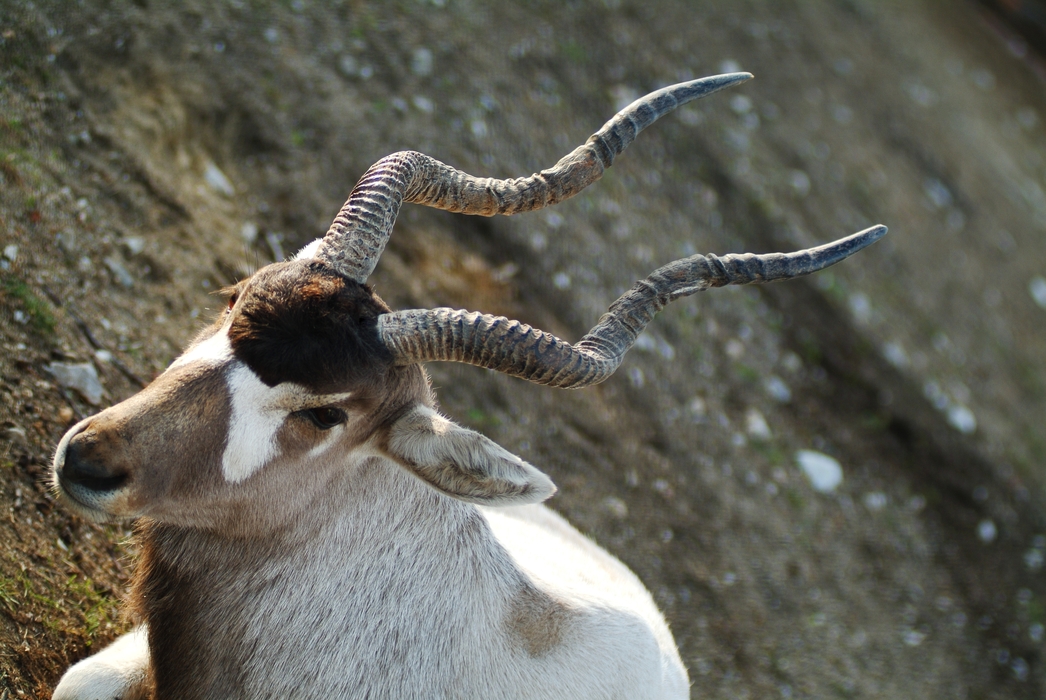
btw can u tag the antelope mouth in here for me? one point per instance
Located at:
(95, 484)
(88, 503)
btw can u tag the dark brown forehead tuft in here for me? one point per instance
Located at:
(302, 322)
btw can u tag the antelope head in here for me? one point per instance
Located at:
(307, 369)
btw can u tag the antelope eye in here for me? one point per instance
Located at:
(325, 417)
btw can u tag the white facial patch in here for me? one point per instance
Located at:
(256, 413)
(214, 350)
(253, 422)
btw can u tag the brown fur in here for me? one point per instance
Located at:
(537, 620)
(193, 403)
(173, 600)
(302, 322)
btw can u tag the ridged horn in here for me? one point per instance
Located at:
(511, 347)
(361, 229)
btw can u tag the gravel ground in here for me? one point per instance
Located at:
(149, 156)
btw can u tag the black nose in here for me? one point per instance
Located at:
(83, 468)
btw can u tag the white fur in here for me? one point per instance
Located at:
(116, 673)
(257, 412)
(309, 251)
(253, 422)
(449, 454)
(328, 441)
(410, 602)
(629, 647)
(213, 350)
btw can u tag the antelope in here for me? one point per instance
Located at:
(310, 525)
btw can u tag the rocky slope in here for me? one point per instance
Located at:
(149, 156)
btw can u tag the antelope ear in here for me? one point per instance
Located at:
(462, 463)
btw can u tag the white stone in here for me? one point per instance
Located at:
(895, 355)
(1037, 289)
(421, 62)
(778, 389)
(123, 277)
(962, 419)
(82, 377)
(135, 244)
(756, 425)
(986, 531)
(824, 472)
(424, 104)
(217, 180)
(616, 507)
(875, 501)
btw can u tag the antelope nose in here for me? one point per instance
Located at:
(83, 467)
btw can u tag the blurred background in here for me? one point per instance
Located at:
(834, 486)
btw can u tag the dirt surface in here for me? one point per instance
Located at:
(149, 156)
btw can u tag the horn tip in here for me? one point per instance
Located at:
(872, 234)
(730, 79)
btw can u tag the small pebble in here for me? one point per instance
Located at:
(986, 531)
(421, 62)
(756, 425)
(1037, 289)
(729, 66)
(616, 507)
(961, 418)
(913, 638)
(875, 501)
(82, 377)
(217, 180)
(645, 342)
(741, 104)
(824, 472)
(249, 232)
(895, 355)
(861, 307)
(123, 277)
(423, 104)
(800, 182)
(697, 407)
(134, 244)
(778, 390)
(15, 435)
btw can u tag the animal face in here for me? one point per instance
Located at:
(290, 374)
